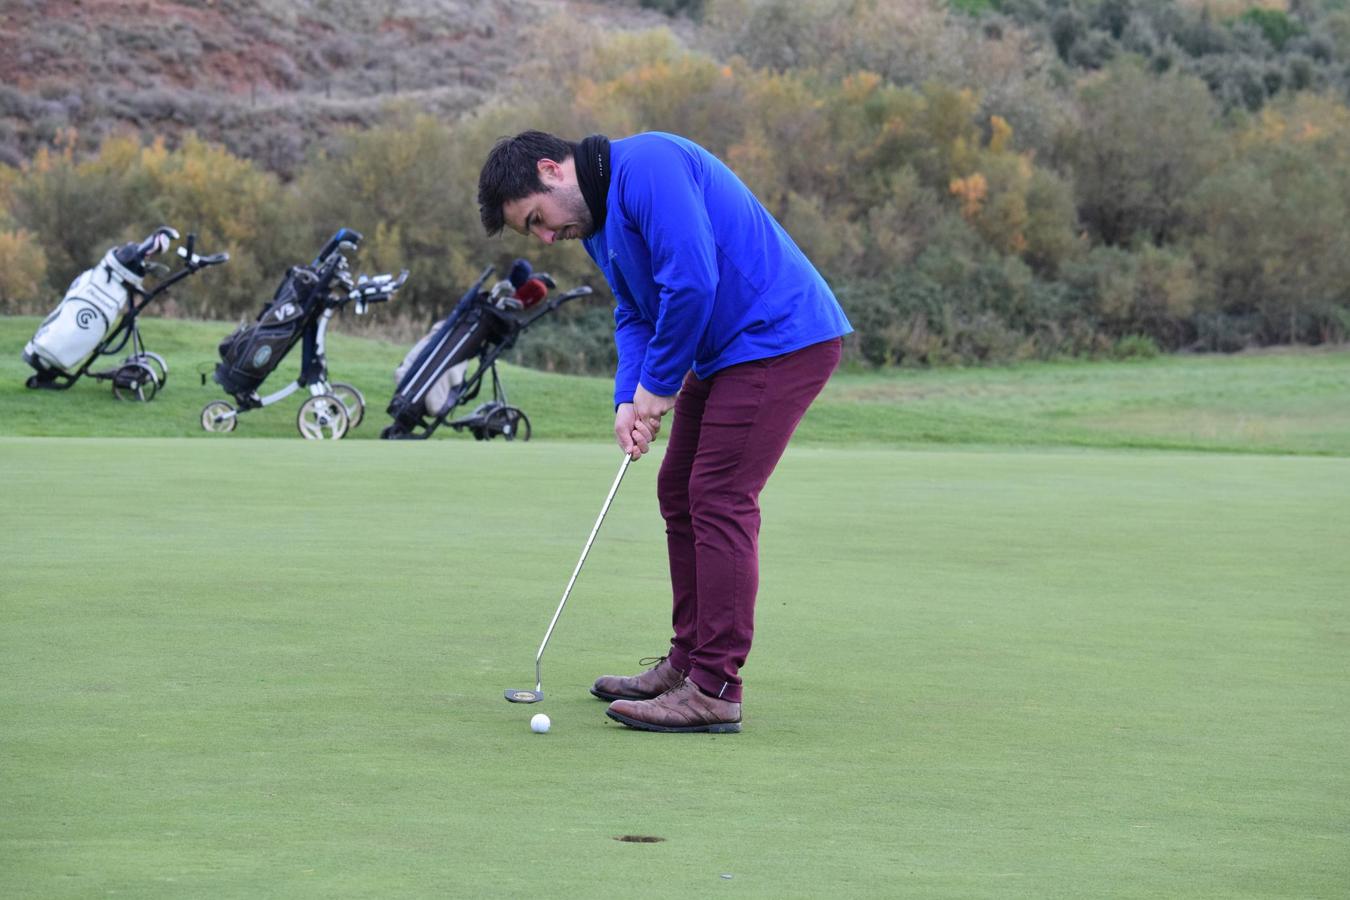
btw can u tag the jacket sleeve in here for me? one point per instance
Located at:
(632, 334)
(664, 199)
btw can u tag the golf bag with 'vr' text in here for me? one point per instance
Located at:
(299, 313)
(250, 354)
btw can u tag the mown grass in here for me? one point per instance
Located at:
(1276, 402)
(266, 668)
(239, 668)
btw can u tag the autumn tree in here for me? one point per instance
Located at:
(75, 208)
(1145, 141)
(1269, 229)
(23, 274)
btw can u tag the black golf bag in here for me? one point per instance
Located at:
(298, 313)
(250, 354)
(435, 376)
(98, 317)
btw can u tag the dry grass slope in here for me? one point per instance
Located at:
(266, 79)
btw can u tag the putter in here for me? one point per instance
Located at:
(525, 696)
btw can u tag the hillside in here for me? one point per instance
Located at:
(981, 181)
(265, 79)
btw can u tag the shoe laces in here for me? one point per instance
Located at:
(652, 661)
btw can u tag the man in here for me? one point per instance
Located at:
(723, 319)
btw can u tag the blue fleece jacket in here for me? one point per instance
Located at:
(704, 277)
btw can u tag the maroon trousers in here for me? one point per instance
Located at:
(728, 435)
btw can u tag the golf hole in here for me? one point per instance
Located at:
(639, 839)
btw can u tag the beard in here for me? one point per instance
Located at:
(574, 205)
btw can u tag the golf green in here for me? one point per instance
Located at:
(274, 668)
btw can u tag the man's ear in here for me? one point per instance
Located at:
(550, 171)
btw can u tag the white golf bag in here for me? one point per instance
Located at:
(97, 318)
(93, 306)
(437, 397)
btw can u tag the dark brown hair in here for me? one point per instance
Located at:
(511, 172)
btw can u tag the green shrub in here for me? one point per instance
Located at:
(1277, 27)
(574, 341)
(23, 274)
(691, 8)
(1135, 346)
(1218, 332)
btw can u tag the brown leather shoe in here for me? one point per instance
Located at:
(660, 678)
(682, 708)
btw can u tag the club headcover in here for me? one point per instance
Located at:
(520, 272)
(531, 292)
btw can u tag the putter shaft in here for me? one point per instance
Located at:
(539, 657)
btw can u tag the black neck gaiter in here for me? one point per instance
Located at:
(592, 157)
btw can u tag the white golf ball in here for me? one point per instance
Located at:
(539, 724)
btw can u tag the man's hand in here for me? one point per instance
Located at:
(649, 408)
(634, 437)
(636, 424)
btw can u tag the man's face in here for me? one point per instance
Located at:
(558, 213)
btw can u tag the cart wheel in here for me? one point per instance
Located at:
(220, 417)
(135, 381)
(509, 422)
(155, 362)
(352, 399)
(322, 418)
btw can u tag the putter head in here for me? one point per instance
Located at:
(523, 696)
